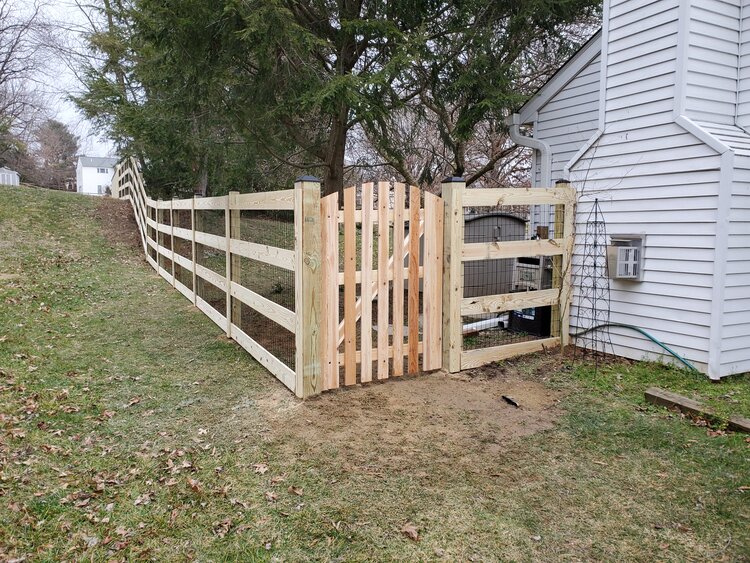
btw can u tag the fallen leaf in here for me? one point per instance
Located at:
(410, 531)
(222, 528)
(195, 485)
(143, 499)
(295, 490)
(134, 401)
(278, 479)
(202, 431)
(260, 468)
(271, 496)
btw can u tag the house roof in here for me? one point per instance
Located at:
(590, 50)
(98, 161)
(7, 170)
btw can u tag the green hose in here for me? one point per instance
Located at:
(644, 333)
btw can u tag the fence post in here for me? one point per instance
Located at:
(569, 216)
(453, 288)
(308, 276)
(228, 259)
(194, 252)
(171, 235)
(557, 271)
(236, 261)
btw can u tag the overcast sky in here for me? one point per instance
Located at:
(59, 81)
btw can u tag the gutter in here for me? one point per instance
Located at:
(514, 124)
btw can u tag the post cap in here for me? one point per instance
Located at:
(307, 179)
(452, 179)
(561, 182)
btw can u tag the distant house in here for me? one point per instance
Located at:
(652, 117)
(94, 174)
(9, 177)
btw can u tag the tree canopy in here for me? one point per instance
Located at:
(243, 94)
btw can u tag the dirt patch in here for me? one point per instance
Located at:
(118, 223)
(406, 423)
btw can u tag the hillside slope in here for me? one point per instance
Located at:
(131, 428)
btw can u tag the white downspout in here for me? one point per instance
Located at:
(545, 154)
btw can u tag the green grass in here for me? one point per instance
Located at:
(131, 428)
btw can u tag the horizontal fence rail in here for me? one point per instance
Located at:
(238, 280)
(386, 281)
(478, 260)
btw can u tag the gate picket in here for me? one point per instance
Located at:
(395, 283)
(398, 279)
(384, 198)
(350, 288)
(330, 303)
(366, 285)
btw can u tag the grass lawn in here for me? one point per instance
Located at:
(131, 428)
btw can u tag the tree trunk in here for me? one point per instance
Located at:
(201, 189)
(334, 175)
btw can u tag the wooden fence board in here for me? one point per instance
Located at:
(330, 310)
(210, 312)
(432, 297)
(383, 278)
(491, 197)
(509, 301)
(213, 241)
(211, 203)
(283, 372)
(398, 281)
(280, 257)
(366, 285)
(476, 358)
(350, 267)
(269, 309)
(211, 277)
(262, 201)
(512, 249)
(413, 296)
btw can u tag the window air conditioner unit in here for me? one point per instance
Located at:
(625, 257)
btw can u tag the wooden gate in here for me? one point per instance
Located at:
(381, 307)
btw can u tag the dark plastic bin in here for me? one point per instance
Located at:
(535, 321)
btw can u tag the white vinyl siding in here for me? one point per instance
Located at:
(743, 97)
(566, 122)
(655, 177)
(641, 62)
(675, 207)
(735, 341)
(712, 69)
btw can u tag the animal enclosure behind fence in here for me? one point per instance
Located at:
(392, 282)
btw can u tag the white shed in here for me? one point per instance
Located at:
(9, 177)
(651, 117)
(94, 174)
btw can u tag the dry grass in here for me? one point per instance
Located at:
(132, 429)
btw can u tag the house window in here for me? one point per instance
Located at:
(102, 170)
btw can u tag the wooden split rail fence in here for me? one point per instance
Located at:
(377, 282)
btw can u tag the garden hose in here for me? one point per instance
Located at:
(644, 333)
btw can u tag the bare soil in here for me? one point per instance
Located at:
(118, 224)
(459, 420)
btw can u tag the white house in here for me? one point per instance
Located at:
(9, 177)
(651, 117)
(94, 174)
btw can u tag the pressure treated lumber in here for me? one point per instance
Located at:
(661, 397)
